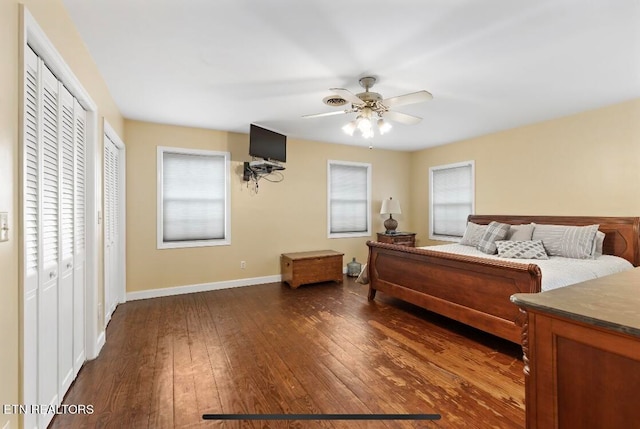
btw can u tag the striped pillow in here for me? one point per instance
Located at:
(473, 234)
(598, 242)
(567, 241)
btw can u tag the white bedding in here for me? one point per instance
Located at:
(556, 271)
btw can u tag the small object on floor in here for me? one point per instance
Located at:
(353, 268)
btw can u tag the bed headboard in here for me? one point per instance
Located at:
(622, 234)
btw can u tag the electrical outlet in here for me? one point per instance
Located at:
(4, 226)
(243, 265)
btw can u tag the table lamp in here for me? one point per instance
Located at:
(390, 207)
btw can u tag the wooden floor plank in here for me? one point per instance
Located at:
(317, 349)
(291, 381)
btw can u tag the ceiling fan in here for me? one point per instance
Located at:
(368, 105)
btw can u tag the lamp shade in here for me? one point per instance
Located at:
(390, 206)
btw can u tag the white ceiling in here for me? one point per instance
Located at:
(490, 64)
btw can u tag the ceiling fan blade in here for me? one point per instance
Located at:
(347, 95)
(402, 100)
(403, 118)
(319, 115)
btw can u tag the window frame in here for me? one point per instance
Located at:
(161, 244)
(366, 233)
(471, 164)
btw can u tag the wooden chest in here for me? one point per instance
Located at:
(311, 267)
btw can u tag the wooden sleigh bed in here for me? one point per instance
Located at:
(477, 291)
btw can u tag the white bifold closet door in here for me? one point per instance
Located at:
(111, 226)
(53, 196)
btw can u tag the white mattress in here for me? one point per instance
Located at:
(556, 271)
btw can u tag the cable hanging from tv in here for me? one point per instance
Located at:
(254, 171)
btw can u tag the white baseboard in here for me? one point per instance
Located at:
(204, 287)
(102, 339)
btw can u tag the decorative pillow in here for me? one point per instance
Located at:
(495, 231)
(520, 232)
(567, 241)
(532, 249)
(596, 251)
(473, 234)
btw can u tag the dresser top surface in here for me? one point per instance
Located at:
(611, 302)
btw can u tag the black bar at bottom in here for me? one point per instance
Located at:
(321, 416)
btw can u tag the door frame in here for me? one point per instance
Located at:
(121, 278)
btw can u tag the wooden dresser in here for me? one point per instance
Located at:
(400, 238)
(311, 267)
(581, 347)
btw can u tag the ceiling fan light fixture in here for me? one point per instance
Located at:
(370, 107)
(383, 126)
(349, 128)
(364, 125)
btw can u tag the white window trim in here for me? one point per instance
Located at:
(433, 236)
(348, 234)
(227, 195)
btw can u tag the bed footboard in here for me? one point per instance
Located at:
(470, 290)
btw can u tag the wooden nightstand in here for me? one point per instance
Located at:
(400, 238)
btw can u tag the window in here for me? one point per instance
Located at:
(451, 200)
(193, 198)
(349, 194)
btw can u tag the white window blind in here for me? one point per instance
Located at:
(194, 198)
(349, 199)
(452, 199)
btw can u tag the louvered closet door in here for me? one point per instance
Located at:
(54, 239)
(50, 244)
(111, 224)
(79, 281)
(31, 235)
(66, 233)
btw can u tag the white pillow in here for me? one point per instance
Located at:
(520, 232)
(567, 241)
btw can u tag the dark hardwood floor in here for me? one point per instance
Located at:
(268, 349)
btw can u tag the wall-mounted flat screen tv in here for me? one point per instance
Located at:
(267, 144)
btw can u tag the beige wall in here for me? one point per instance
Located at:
(52, 17)
(584, 164)
(282, 217)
